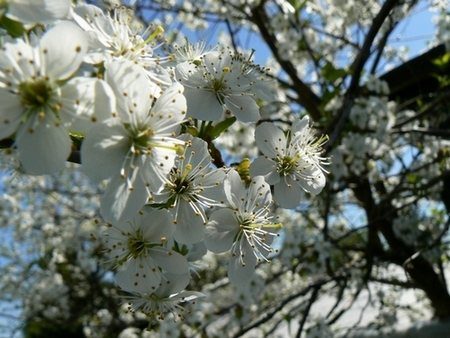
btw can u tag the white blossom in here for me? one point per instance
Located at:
(192, 187)
(164, 300)
(242, 227)
(221, 82)
(35, 106)
(292, 164)
(137, 249)
(136, 149)
(112, 38)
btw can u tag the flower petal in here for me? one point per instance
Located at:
(132, 88)
(104, 150)
(259, 195)
(123, 199)
(62, 50)
(270, 139)
(156, 224)
(315, 182)
(265, 167)
(139, 275)
(43, 146)
(10, 116)
(86, 101)
(174, 284)
(156, 166)
(220, 231)
(202, 104)
(189, 227)
(243, 107)
(234, 189)
(288, 196)
(38, 11)
(196, 252)
(299, 125)
(169, 110)
(213, 184)
(169, 260)
(242, 263)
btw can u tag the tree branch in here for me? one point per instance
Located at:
(306, 96)
(334, 129)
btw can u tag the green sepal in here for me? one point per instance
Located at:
(192, 130)
(77, 139)
(243, 170)
(220, 127)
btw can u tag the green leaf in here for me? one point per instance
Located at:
(443, 61)
(332, 74)
(14, 28)
(412, 178)
(328, 95)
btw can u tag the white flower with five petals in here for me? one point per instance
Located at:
(35, 109)
(111, 37)
(137, 249)
(220, 82)
(242, 227)
(136, 149)
(292, 164)
(192, 187)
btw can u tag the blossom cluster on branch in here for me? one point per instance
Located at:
(80, 79)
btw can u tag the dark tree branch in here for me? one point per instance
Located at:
(427, 109)
(345, 309)
(380, 48)
(306, 96)
(316, 285)
(381, 217)
(311, 301)
(336, 126)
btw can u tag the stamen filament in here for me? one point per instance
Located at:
(156, 34)
(179, 149)
(262, 226)
(187, 170)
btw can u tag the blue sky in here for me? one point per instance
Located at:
(416, 32)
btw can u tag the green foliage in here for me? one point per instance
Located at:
(443, 64)
(51, 329)
(443, 61)
(332, 73)
(14, 28)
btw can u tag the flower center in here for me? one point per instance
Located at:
(137, 245)
(142, 141)
(182, 184)
(36, 94)
(142, 138)
(218, 85)
(287, 165)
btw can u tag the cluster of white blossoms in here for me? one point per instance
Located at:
(144, 124)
